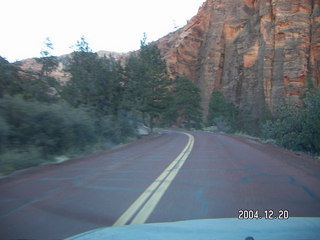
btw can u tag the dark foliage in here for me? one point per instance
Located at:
(222, 113)
(297, 127)
(185, 107)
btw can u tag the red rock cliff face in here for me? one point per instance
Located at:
(257, 52)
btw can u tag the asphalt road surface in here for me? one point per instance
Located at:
(172, 177)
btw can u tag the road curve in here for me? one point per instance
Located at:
(219, 176)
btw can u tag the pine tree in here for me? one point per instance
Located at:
(44, 82)
(222, 112)
(10, 80)
(134, 72)
(14, 80)
(47, 60)
(187, 102)
(95, 81)
(156, 81)
(147, 83)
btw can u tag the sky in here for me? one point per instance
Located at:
(111, 25)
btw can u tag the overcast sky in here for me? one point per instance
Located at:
(113, 25)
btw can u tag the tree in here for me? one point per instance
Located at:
(147, 83)
(222, 112)
(81, 65)
(134, 72)
(10, 80)
(47, 60)
(39, 86)
(170, 115)
(187, 103)
(95, 81)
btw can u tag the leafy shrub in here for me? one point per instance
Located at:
(223, 124)
(222, 113)
(12, 160)
(53, 128)
(311, 122)
(32, 132)
(297, 127)
(4, 132)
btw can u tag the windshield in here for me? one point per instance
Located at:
(208, 128)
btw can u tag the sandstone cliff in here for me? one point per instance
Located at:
(256, 52)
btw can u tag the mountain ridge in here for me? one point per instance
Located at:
(258, 53)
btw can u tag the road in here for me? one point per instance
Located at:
(172, 177)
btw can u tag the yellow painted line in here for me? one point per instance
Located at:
(149, 199)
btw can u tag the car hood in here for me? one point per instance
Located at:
(212, 229)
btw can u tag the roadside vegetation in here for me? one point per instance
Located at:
(184, 105)
(103, 104)
(223, 114)
(295, 127)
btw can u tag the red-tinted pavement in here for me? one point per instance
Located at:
(222, 175)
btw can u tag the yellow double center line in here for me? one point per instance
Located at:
(141, 209)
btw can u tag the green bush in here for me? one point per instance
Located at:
(4, 132)
(297, 127)
(311, 122)
(222, 113)
(223, 124)
(53, 129)
(124, 126)
(33, 132)
(13, 160)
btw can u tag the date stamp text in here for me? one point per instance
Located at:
(266, 214)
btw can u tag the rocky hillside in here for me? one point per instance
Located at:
(256, 52)
(32, 65)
